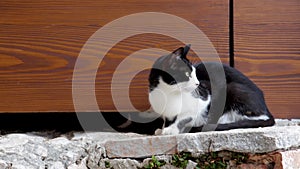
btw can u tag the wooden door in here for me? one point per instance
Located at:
(40, 41)
(267, 49)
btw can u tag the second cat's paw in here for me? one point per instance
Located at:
(170, 131)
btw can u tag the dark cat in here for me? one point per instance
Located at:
(182, 94)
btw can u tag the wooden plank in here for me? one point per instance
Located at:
(40, 41)
(267, 45)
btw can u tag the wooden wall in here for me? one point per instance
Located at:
(267, 49)
(40, 41)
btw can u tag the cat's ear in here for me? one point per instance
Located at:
(181, 52)
(174, 60)
(186, 49)
(176, 54)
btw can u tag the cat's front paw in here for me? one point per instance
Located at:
(158, 132)
(170, 131)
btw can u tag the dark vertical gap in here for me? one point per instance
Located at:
(231, 34)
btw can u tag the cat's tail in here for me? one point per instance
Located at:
(236, 125)
(271, 118)
(248, 123)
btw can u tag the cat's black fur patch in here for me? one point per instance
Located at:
(242, 94)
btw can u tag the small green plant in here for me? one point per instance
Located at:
(181, 160)
(210, 161)
(214, 161)
(154, 163)
(107, 164)
(205, 161)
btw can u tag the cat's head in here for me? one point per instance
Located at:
(174, 71)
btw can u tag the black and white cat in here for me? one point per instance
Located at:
(182, 94)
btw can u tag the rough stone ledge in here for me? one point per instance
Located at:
(90, 150)
(259, 140)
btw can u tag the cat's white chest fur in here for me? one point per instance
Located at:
(171, 101)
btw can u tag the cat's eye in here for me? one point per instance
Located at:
(187, 74)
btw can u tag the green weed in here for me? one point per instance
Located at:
(154, 163)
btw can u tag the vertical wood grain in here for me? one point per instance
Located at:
(41, 39)
(267, 49)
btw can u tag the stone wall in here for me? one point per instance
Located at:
(269, 147)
